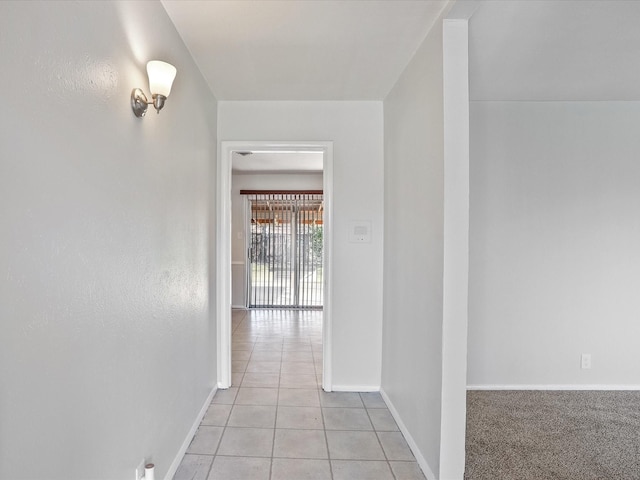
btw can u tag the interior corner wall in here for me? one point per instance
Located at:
(414, 249)
(271, 181)
(355, 128)
(107, 346)
(554, 230)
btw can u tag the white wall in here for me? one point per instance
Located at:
(356, 130)
(271, 181)
(414, 249)
(456, 247)
(554, 267)
(107, 349)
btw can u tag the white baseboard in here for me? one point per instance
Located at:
(355, 388)
(553, 387)
(239, 307)
(422, 462)
(173, 468)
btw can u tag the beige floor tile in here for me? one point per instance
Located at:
(267, 380)
(257, 366)
(407, 471)
(194, 467)
(217, 415)
(205, 441)
(300, 444)
(373, 400)
(395, 446)
(354, 446)
(239, 366)
(240, 468)
(257, 396)
(340, 399)
(266, 356)
(299, 397)
(299, 418)
(382, 420)
(227, 396)
(291, 380)
(353, 469)
(346, 419)
(240, 355)
(300, 469)
(242, 346)
(246, 442)
(236, 378)
(297, 357)
(298, 368)
(252, 416)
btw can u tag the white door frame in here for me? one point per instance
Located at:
(223, 248)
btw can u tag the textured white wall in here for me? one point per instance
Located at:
(413, 247)
(356, 130)
(238, 221)
(555, 263)
(107, 351)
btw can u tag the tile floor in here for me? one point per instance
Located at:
(276, 422)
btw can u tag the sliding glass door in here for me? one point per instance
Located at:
(285, 252)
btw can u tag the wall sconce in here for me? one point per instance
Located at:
(161, 76)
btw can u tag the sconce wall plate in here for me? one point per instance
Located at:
(139, 102)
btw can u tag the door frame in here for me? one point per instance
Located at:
(223, 248)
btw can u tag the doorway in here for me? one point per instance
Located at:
(284, 267)
(223, 260)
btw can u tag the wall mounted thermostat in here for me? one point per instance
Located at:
(360, 232)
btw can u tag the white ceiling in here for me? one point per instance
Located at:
(277, 162)
(555, 50)
(305, 49)
(355, 49)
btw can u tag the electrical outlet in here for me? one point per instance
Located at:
(140, 470)
(585, 361)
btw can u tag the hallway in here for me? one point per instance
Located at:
(276, 423)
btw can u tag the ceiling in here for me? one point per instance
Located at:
(543, 50)
(277, 162)
(302, 50)
(533, 50)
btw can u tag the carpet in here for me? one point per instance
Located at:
(553, 435)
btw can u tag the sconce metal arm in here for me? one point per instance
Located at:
(140, 103)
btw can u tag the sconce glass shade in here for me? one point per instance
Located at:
(161, 76)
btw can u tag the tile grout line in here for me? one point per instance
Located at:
(275, 421)
(226, 422)
(250, 331)
(324, 426)
(377, 437)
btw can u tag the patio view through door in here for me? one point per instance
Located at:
(285, 249)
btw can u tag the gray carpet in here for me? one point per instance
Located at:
(553, 435)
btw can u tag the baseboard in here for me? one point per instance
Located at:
(422, 462)
(355, 388)
(173, 468)
(554, 387)
(239, 307)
